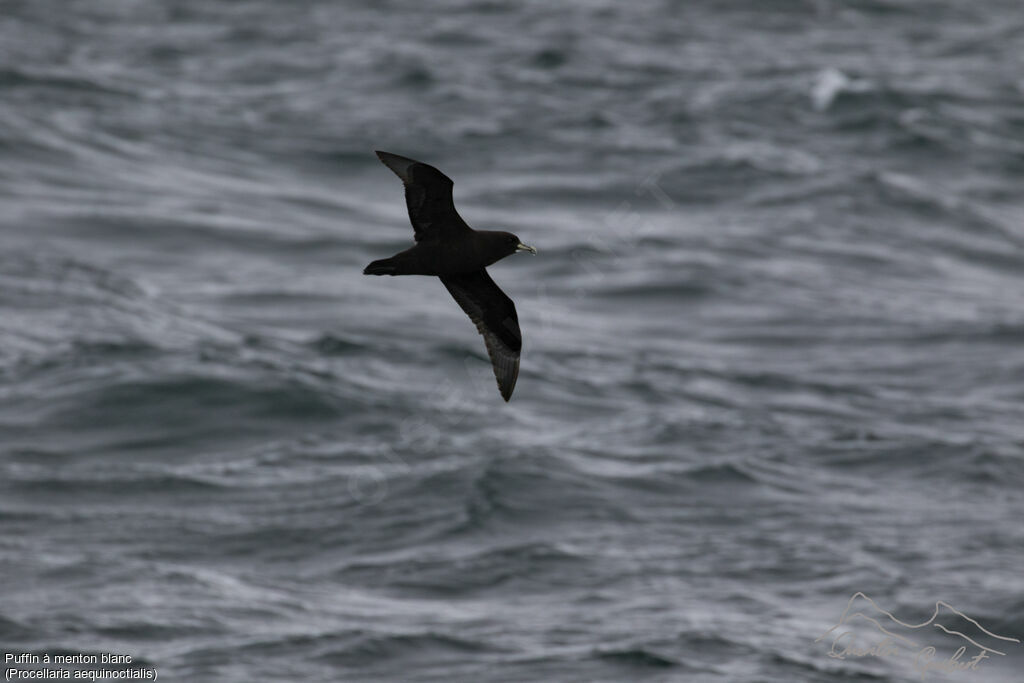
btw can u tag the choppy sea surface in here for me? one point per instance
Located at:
(773, 340)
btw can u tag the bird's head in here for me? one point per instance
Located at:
(512, 244)
(496, 245)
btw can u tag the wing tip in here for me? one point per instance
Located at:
(506, 376)
(399, 165)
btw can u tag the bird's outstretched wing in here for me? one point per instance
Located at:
(428, 195)
(495, 317)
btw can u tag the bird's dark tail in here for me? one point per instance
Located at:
(384, 266)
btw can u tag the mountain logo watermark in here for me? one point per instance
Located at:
(866, 630)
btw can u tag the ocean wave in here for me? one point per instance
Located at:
(639, 658)
(372, 648)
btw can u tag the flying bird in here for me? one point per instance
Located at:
(459, 255)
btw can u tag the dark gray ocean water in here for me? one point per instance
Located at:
(773, 341)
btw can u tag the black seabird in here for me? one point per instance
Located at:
(459, 255)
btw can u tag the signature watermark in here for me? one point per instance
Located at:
(866, 630)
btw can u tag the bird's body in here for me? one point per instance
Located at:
(446, 257)
(448, 248)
